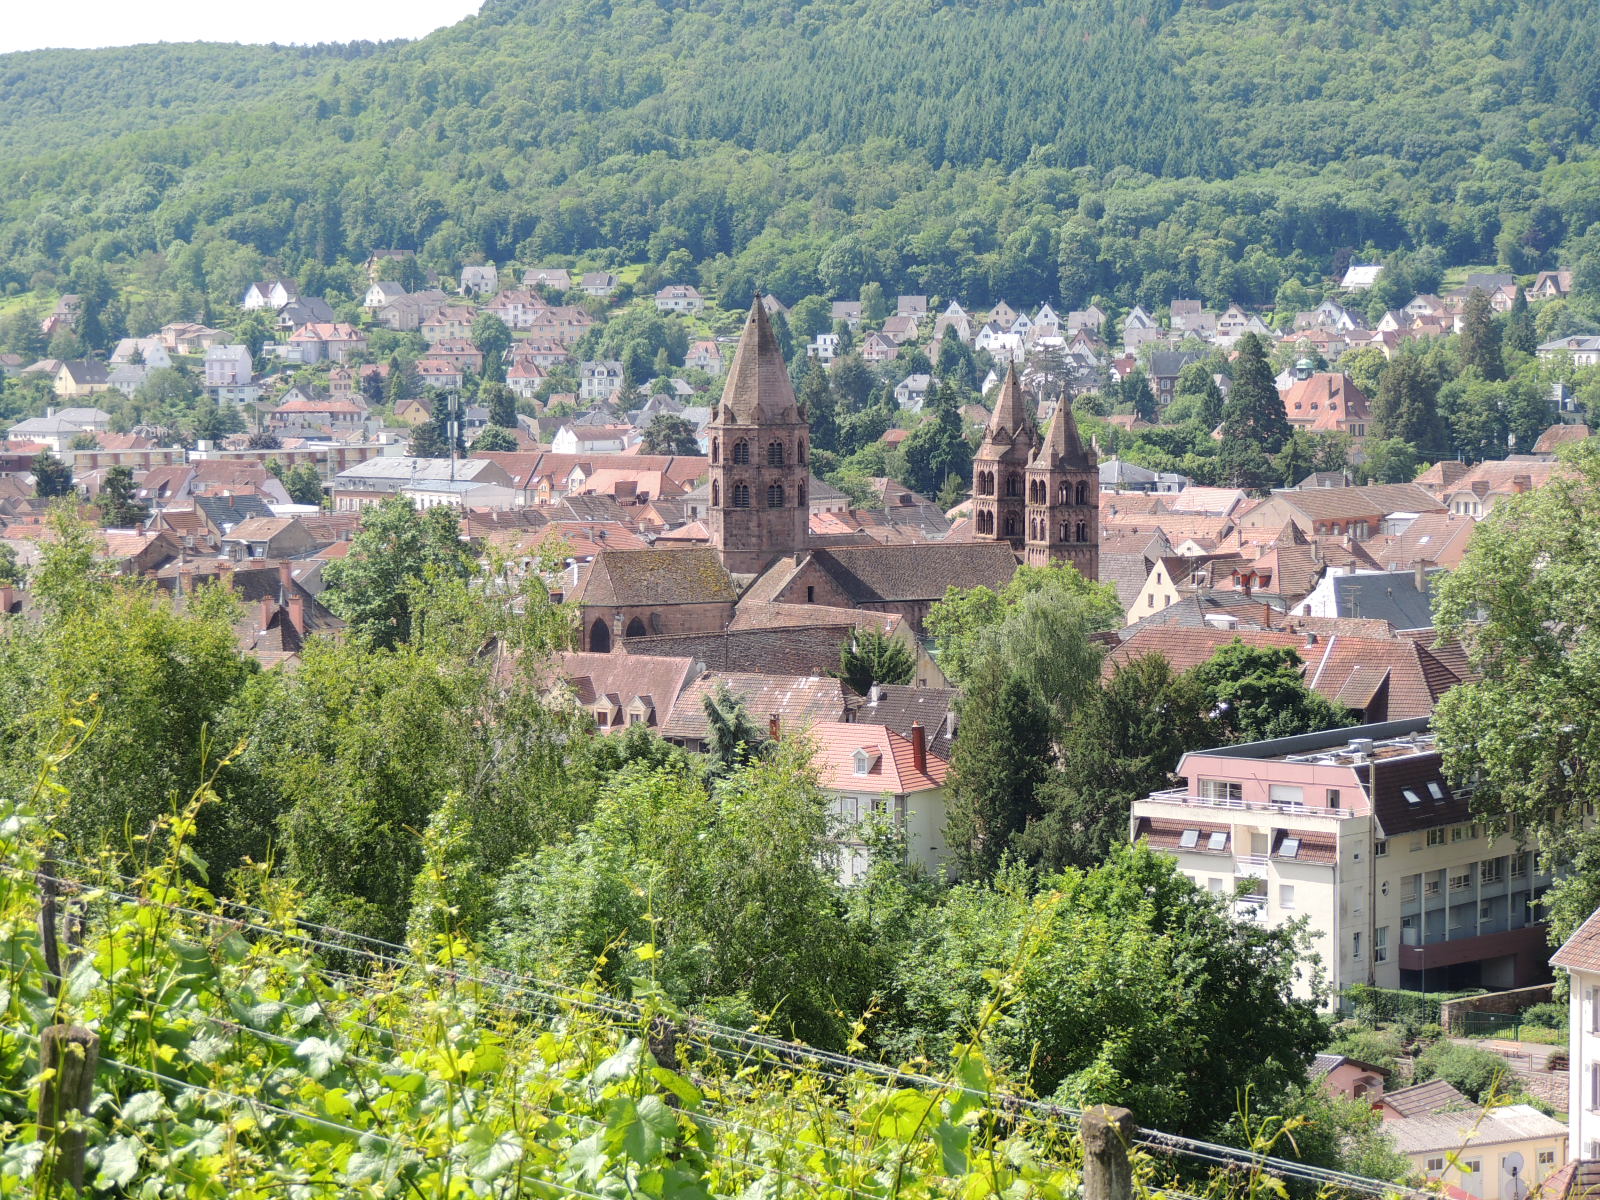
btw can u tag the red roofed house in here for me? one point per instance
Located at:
(335, 341)
(873, 773)
(300, 411)
(1328, 402)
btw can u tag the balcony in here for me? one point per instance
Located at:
(1181, 796)
(1250, 864)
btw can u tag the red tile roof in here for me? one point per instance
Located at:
(892, 768)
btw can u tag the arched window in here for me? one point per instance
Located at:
(741, 495)
(1065, 531)
(1064, 494)
(716, 494)
(741, 452)
(800, 497)
(774, 495)
(600, 637)
(800, 452)
(774, 454)
(1011, 486)
(1083, 491)
(716, 449)
(1011, 525)
(1083, 531)
(636, 628)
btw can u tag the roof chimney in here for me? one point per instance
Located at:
(950, 723)
(297, 612)
(874, 694)
(1419, 576)
(1311, 639)
(919, 747)
(773, 726)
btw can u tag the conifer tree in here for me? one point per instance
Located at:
(1479, 344)
(1254, 413)
(1406, 406)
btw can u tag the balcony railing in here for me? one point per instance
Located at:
(1182, 796)
(1250, 864)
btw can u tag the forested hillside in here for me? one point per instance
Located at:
(1062, 149)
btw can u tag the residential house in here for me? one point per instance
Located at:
(1234, 323)
(878, 348)
(335, 341)
(704, 355)
(1348, 1078)
(458, 351)
(1165, 367)
(413, 411)
(1550, 285)
(576, 438)
(1581, 348)
(1500, 1153)
(440, 373)
(824, 347)
(63, 316)
(599, 380)
(1360, 277)
(619, 690)
(381, 260)
(680, 298)
(149, 351)
(58, 427)
(525, 377)
(447, 321)
(1328, 402)
(304, 310)
(479, 280)
(599, 283)
(879, 777)
(911, 306)
(902, 329)
(1476, 492)
(228, 366)
(791, 703)
(1357, 512)
(1091, 319)
(1579, 957)
(848, 311)
(518, 308)
(302, 409)
(381, 294)
(127, 378)
(912, 391)
(954, 317)
(267, 537)
(1358, 832)
(76, 378)
(269, 293)
(405, 314)
(554, 279)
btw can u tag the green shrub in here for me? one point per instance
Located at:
(1547, 1016)
(1475, 1073)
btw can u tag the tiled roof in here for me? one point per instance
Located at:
(259, 529)
(661, 679)
(796, 700)
(689, 575)
(1424, 1098)
(796, 650)
(1331, 504)
(761, 614)
(758, 386)
(891, 768)
(899, 706)
(1403, 797)
(1165, 834)
(1438, 538)
(1581, 951)
(1559, 435)
(916, 572)
(1471, 1127)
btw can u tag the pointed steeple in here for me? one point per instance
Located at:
(1062, 446)
(758, 387)
(1010, 409)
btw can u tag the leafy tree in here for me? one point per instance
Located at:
(1001, 760)
(1124, 743)
(396, 551)
(870, 658)
(1478, 1074)
(1479, 340)
(959, 622)
(493, 438)
(263, 439)
(1139, 949)
(51, 476)
(1253, 414)
(1525, 731)
(852, 382)
(731, 736)
(12, 572)
(1390, 460)
(817, 399)
(501, 403)
(1295, 460)
(1196, 380)
(954, 362)
(303, 484)
(1137, 397)
(937, 448)
(668, 433)
(1256, 693)
(492, 338)
(118, 508)
(1406, 404)
(874, 305)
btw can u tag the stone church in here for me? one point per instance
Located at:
(1040, 495)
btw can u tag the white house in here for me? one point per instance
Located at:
(1359, 831)
(269, 293)
(228, 366)
(479, 280)
(681, 298)
(598, 380)
(1359, 277)
(874, 773)
(1582, 349)
(382, 294)
(912, 392)
(1579, 957)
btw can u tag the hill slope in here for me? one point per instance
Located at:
(1061, 147)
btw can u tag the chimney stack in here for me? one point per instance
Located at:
(919, 747)
(297, 612)
(285, 581)
(950, 724)
(1419, 575)
(773, 726)
(874, 694)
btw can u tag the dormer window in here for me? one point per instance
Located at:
(864, 760)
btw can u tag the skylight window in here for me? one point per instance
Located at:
(1190, 839)
(1411, 796)
(1219, 841)
(1435, 790)
(1290, 848)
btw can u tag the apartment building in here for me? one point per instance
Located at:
(1358, 831)
(1579, 956)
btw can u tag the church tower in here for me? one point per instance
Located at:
(760, 453)
(1064, 499)
(999, 469)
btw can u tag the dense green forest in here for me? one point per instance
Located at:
(1063, 149)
